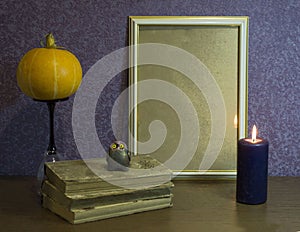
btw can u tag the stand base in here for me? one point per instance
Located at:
(41, 171)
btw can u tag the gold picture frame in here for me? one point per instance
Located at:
(168, 50)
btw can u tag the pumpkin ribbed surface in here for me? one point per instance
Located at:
(49, 73)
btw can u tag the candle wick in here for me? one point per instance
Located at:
(253, 140)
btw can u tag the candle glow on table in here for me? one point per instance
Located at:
(252, 169)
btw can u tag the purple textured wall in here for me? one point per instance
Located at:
(92, 29)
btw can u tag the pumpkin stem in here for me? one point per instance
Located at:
(50, 41)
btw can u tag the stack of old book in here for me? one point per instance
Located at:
(82, 191)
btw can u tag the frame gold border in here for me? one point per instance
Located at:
(240, 21)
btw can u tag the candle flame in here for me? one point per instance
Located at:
(254, 134)
(235, 121)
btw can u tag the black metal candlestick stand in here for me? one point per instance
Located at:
(51, 154)
(51, 147)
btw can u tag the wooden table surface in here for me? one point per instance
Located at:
(198, 206)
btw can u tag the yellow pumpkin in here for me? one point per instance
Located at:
(49, 73)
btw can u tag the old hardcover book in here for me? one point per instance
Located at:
(75, 175)
(86, 199)
(77, 216)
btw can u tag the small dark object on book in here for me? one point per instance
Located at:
(118, 158)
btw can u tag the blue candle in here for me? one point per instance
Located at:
(252, 170)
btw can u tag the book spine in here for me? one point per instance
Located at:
(114, 210)
(53, 178)
(88, 199)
